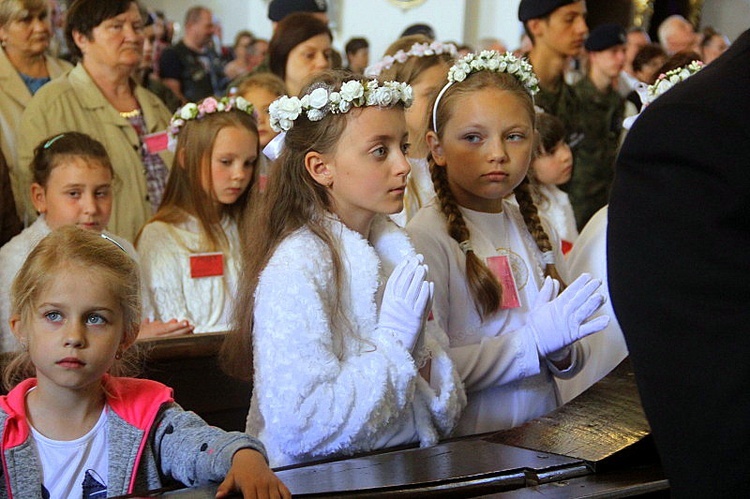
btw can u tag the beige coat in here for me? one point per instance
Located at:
(75, 103)
(14, 97)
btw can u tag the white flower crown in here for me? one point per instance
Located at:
(667, 80)
(488, 60)
(491, 60)
(416, 50)
(209, 105)
(322, 100)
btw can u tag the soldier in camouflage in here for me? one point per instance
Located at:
(601, 113)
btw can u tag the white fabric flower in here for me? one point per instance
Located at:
(189, 111)
(352, 90)
(289, 107)
(318, 98)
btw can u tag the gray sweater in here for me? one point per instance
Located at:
(152, 442)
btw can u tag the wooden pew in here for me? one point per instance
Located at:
(189, 364)
(598, 445)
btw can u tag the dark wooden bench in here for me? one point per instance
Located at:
(189, 364)
(598, 445)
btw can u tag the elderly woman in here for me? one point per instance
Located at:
(100, 98)
(25, 34)
(300, 48)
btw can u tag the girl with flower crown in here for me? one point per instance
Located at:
(190, 249)
(495, 266)
(332, 315)
(423, 64)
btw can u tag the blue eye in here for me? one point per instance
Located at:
(96, 320)
(53, 316)
(379, 152)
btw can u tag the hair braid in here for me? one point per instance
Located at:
(534, 225)
(484, 286)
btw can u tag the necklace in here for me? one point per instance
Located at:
(130, 114)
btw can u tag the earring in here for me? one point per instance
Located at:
(118, 355)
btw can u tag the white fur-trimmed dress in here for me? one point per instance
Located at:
(326, 387)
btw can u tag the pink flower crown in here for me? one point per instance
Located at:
(196, 111)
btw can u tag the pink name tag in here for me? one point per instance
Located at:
(262, 182)
(206, 265)
(500, 266)
(155, 142)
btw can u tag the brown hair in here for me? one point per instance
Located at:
(484, 286)
(409, 70)
(293, 199)
(63, 248)
(185, 193)
(290, 32)
(85, 15)
(550, 131)
(58, 148)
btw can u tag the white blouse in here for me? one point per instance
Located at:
(176, 292)
(506, 381)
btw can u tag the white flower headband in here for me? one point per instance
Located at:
(665, 81)
(322, 100)
(489, 60)
(209, 105)
(416, 50)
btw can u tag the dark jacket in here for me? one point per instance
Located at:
(679, 273)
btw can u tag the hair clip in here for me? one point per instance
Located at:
(51, 141)
(105, 236)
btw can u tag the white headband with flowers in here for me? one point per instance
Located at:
(488, 60)
(665, 81)
(209, 105)
(416, 50)
(322, 100)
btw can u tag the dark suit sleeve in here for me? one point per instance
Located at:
(679, 276)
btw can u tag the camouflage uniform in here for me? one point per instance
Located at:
(563, 104)
(600, 118)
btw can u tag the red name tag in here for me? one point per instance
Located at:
(566, 246)
(500, 266)
(206, 265)
(155, 142)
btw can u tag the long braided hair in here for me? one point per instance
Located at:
(483, 285)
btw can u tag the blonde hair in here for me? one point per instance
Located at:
(267, 81)
(484, 286)
(15, 10)
(293, 199)
(63, 248)
(185, 193)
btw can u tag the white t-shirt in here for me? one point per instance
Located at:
(75, 468)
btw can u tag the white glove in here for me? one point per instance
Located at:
(559, 321)
(407, 301)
